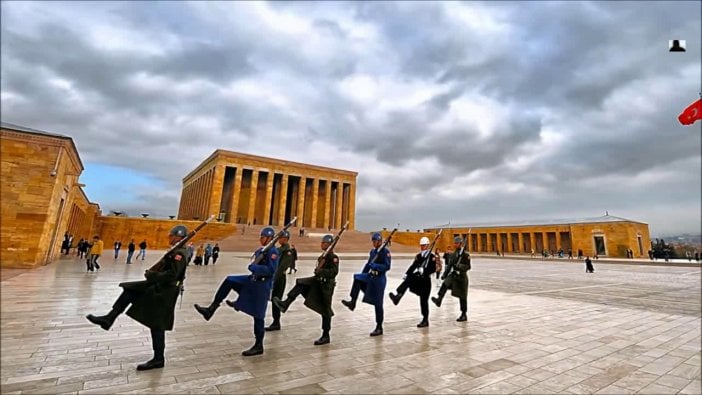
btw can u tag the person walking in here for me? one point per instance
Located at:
(286, 259)
(117, 247)
(254, 290)
(317, 290)
(456, 278)
(130, 251)
(372, 281)
(142, 250)
(152, 300)
(215, 253)
(95, 252)
(418, 279)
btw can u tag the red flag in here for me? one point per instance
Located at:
(691, 114)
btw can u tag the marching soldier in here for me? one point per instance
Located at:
(287, 257)
(317, 290)
(456, 278)
(253, 290)
(372, 282)
(153, 300)
(418, 279)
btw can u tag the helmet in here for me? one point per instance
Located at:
(424, 241)
(178, 231)
(458, 239)
(376, 236)
(327, 239)
(267, 232)
(285, 234)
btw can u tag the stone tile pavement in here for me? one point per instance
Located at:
(534, 327)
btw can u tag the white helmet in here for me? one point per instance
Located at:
(424, 241)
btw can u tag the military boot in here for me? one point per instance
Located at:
(282, 305)
(231, 304)
(207, 312)
(152, 364)
(274, 326)
(322, 340)
(423, 324)
(105, 321)
(351, 304)
(437, 301)
(377, 331)
(256, 349)
(395, 298)
(462, 318)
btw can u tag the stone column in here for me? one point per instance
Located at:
(327, 203)
(283, 200)
(216, 190)
(301, 202)
(269, 200)
(520, 241)
(338, 205)
(352, 206)
(252, 197)
(315, 192)
(236, 191)
(558, 240)
(546, 247)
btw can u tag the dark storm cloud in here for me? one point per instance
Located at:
(459, 111)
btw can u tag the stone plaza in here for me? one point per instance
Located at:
(534, 327)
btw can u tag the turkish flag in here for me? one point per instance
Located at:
(691, 113)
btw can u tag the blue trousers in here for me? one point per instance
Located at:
(224, 289)
(359, 286)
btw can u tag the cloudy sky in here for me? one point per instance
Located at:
(460, 112)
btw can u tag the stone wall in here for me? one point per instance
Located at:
(154, 231)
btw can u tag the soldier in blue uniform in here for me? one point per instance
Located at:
(152, 300)
(254, 291)
(317, 290)
(372, 282)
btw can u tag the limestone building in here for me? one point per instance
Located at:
(41, 196)
(603, 236)
(249, 189)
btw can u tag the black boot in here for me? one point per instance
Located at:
(282, 305)
(437, 301)
(462, 318)
(207, 312)
(256, 349)
(322, 340)
(275, 326)
(152, 364)
(395, 298)
(231, 304)
(423, 324)
(351, 304)
(105, 321)
(377, 331)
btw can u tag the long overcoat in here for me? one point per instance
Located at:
(420, 279)
(457, 279)
(155, 305)
(321, 286)
(373, 285)
(284, 262)
(255, 288)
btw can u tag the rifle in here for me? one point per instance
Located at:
(320, 260)
(431, 248)
(158, 266)
(377, 250)
(257, 259)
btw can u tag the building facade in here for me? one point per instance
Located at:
(602, 236)
(248, 189)
(41, 197)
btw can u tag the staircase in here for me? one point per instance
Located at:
(351, 241)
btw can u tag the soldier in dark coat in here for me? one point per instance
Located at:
(286, 259)
(317, 290)
(153, 300)
(456, 278)
(418, 279)
(254, 290)
(588, 266)
(372, 282)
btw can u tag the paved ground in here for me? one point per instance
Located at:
(534, 327)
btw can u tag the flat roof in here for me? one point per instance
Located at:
(541, 222)
(24, 129)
